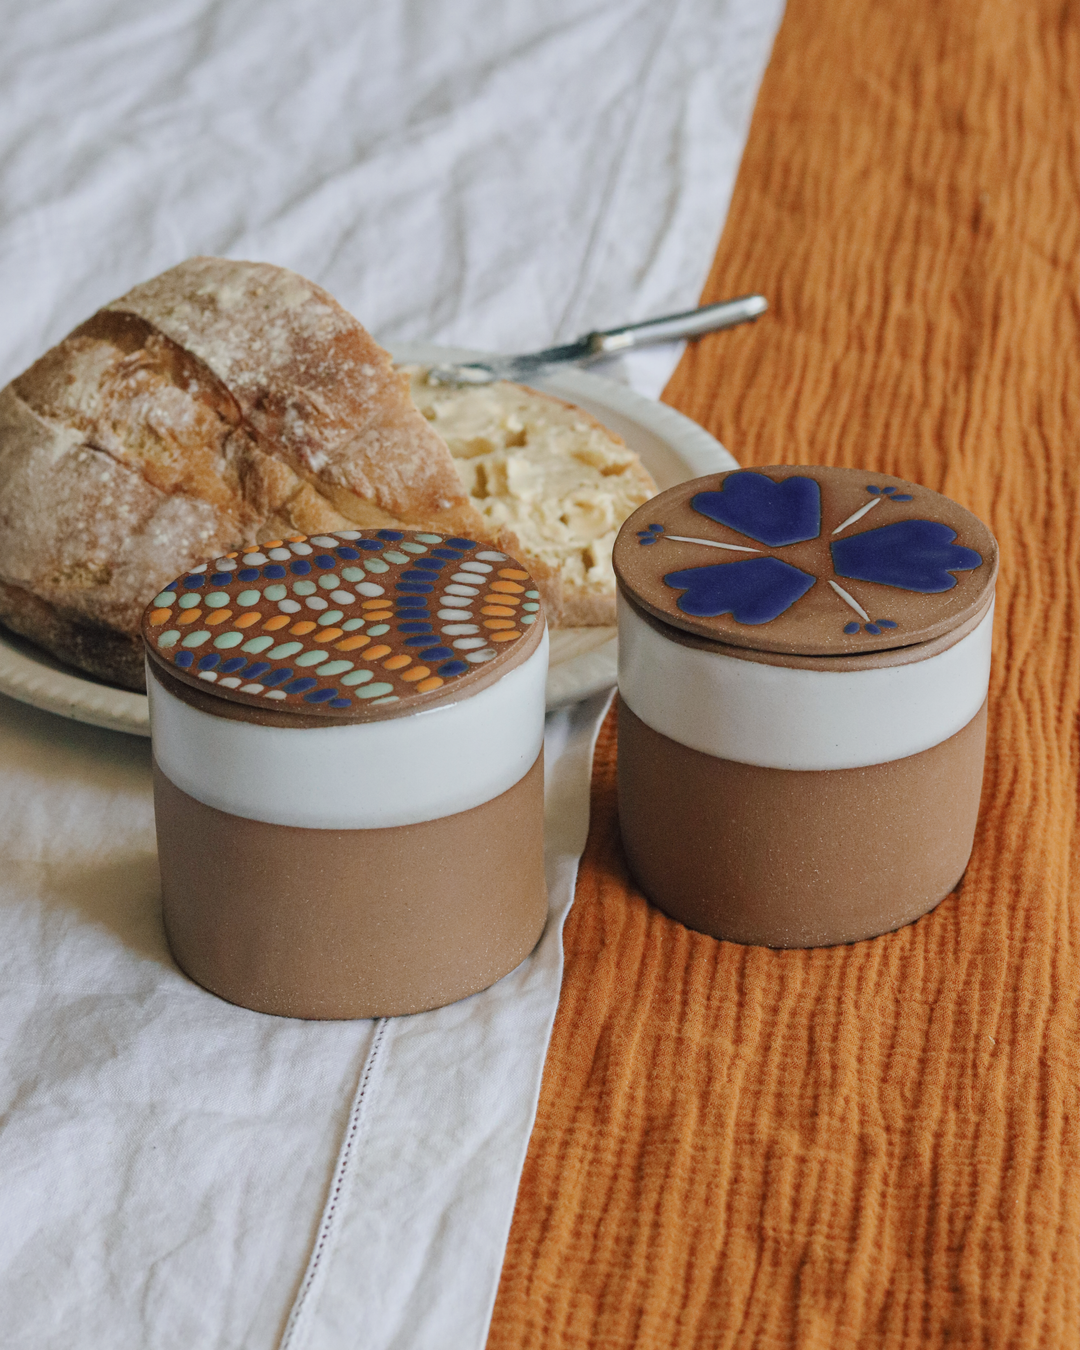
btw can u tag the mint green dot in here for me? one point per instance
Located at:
(229, 640)
(311, 658)
(353, 573)
(374, 565)
(378, 629)
(285, 649)
(334, 668)
(189, 601)
(170, 638)
(258, 644)
(528, 618)
(532, 595)
(217, 600)
(427, 539)
(275, 592)
(196, 639)
(419, 548)
(304, 587)
(331, 616)
(373, 690)
(530, 606)
(396, 557)
(329, 582)
(358, 677)
(351, 625)
(248, 598)
(392, 699)
(165, 599)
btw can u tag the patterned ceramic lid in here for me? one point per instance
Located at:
(813, 561)
(352, 626)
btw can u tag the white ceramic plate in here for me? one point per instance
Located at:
(583, 660)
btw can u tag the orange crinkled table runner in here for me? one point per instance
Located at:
(872, 1145)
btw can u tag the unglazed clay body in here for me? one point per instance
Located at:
(350, 812)
(801, 777)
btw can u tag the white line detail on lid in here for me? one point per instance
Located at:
(858, 515)
(709, 543)
(850, 600)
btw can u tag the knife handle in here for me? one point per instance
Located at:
(692, 323)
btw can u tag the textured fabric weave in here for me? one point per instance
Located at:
(872, 1145)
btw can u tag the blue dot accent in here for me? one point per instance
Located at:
(300, 568)
(885, 623)
(905, 498)
(391, 535)
(450, 668)
(209, 661)
(421, 574)
(233, 664)
(221, 579)
(274, 572)
(319, 695)
(324, 561)
(851, 628)
(415, 587)
(436, 653)
(172, 585)
(416, 628)
(874, 492)
(370, 545)
(409, 604)
(645, 539)
(301, 686)
(656, 529)
(349, 554)
(460, 543)
(887, 491)
(278, 677)
(872, 628)
(184, 659)
(447, 555)
(256, 668)
(418, 641)
(247, 574)
(341, 703)
(193, 583)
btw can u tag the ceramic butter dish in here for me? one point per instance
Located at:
(347, 734)
(804, 656)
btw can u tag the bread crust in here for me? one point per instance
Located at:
(217, 405)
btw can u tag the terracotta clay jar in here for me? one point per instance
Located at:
(804, 656)
(348, 771)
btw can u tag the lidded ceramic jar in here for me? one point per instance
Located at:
(347, 734)
(804, 656)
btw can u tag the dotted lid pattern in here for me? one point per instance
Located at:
(352, 626)
(807, 561)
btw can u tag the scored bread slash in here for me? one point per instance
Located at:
(353, 626)
(551, 482)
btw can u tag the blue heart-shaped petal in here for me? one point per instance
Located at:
(775, 514)
(913, 555)
(755, 590)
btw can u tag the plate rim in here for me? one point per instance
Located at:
(41, 684)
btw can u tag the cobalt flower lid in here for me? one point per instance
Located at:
(807, 560)
(357, 625)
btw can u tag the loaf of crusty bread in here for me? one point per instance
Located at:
(548, 479)
(217, 405)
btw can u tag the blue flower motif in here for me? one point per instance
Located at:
(911, 555)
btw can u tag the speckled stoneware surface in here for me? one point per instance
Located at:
(814, 561)
(353, 626)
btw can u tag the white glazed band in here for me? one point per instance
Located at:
(368, 775)
(783, 717)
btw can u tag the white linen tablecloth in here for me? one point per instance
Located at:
(174, 1171)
